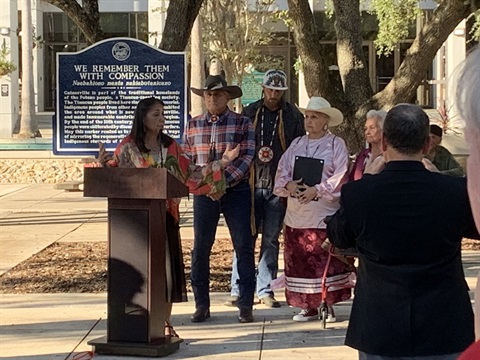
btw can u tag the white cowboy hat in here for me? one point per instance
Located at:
(217, 82)
(319, 104)
(275, 79)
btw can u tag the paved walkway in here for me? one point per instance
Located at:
(51, 326)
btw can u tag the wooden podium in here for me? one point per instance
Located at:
(136, 258)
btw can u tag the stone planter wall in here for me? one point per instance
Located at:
(48, 171)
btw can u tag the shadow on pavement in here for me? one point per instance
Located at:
(77, 217)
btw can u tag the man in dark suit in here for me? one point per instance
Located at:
(407, 223)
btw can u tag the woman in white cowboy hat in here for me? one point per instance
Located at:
(311, 199)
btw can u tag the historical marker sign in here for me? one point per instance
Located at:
(252, 87)
(99, 87)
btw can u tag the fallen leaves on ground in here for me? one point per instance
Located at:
(469, 244)
(81, 267)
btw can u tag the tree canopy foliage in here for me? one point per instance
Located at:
(233, 30)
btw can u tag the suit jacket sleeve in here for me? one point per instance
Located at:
(339, 228)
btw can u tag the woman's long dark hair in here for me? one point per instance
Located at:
(138, 130)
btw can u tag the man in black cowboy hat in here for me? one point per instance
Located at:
(206, 138)
(276, 124)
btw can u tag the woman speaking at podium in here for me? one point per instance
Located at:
(148, 146)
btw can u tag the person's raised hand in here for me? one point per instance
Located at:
(103, 156)
(230, 154)
(429, 165)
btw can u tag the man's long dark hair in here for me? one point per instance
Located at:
(138, 129)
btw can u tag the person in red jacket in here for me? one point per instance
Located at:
(370, 157)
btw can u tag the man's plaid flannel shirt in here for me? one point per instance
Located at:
(230, 128)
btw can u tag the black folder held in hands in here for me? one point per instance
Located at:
(308, 169)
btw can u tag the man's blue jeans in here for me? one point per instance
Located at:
(269, 214)
(236, 208)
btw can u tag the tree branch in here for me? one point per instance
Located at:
(307, 40)
(181, 15)
(87, 18)
(351, 61)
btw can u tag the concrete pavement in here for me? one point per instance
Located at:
(58, 326)
(50, 326)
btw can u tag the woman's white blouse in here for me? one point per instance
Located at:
(333, 151)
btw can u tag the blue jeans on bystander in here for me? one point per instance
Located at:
(269, 214)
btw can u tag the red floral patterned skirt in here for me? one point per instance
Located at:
(305, 262)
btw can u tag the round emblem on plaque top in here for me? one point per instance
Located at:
(121, 51)
(265, 154)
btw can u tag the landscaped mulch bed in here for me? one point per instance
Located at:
(82, 268)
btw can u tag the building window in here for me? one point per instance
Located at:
(115, 24)
(134, 25)
(62, 35)
(59, 28)
(139, 26)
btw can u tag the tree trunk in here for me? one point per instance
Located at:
(28, 122)
(352, 64)
(87, 18)
(181, 15)
(353, 69)
(197, 77)
(356, 98)
(309, 49)
(319, 81)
